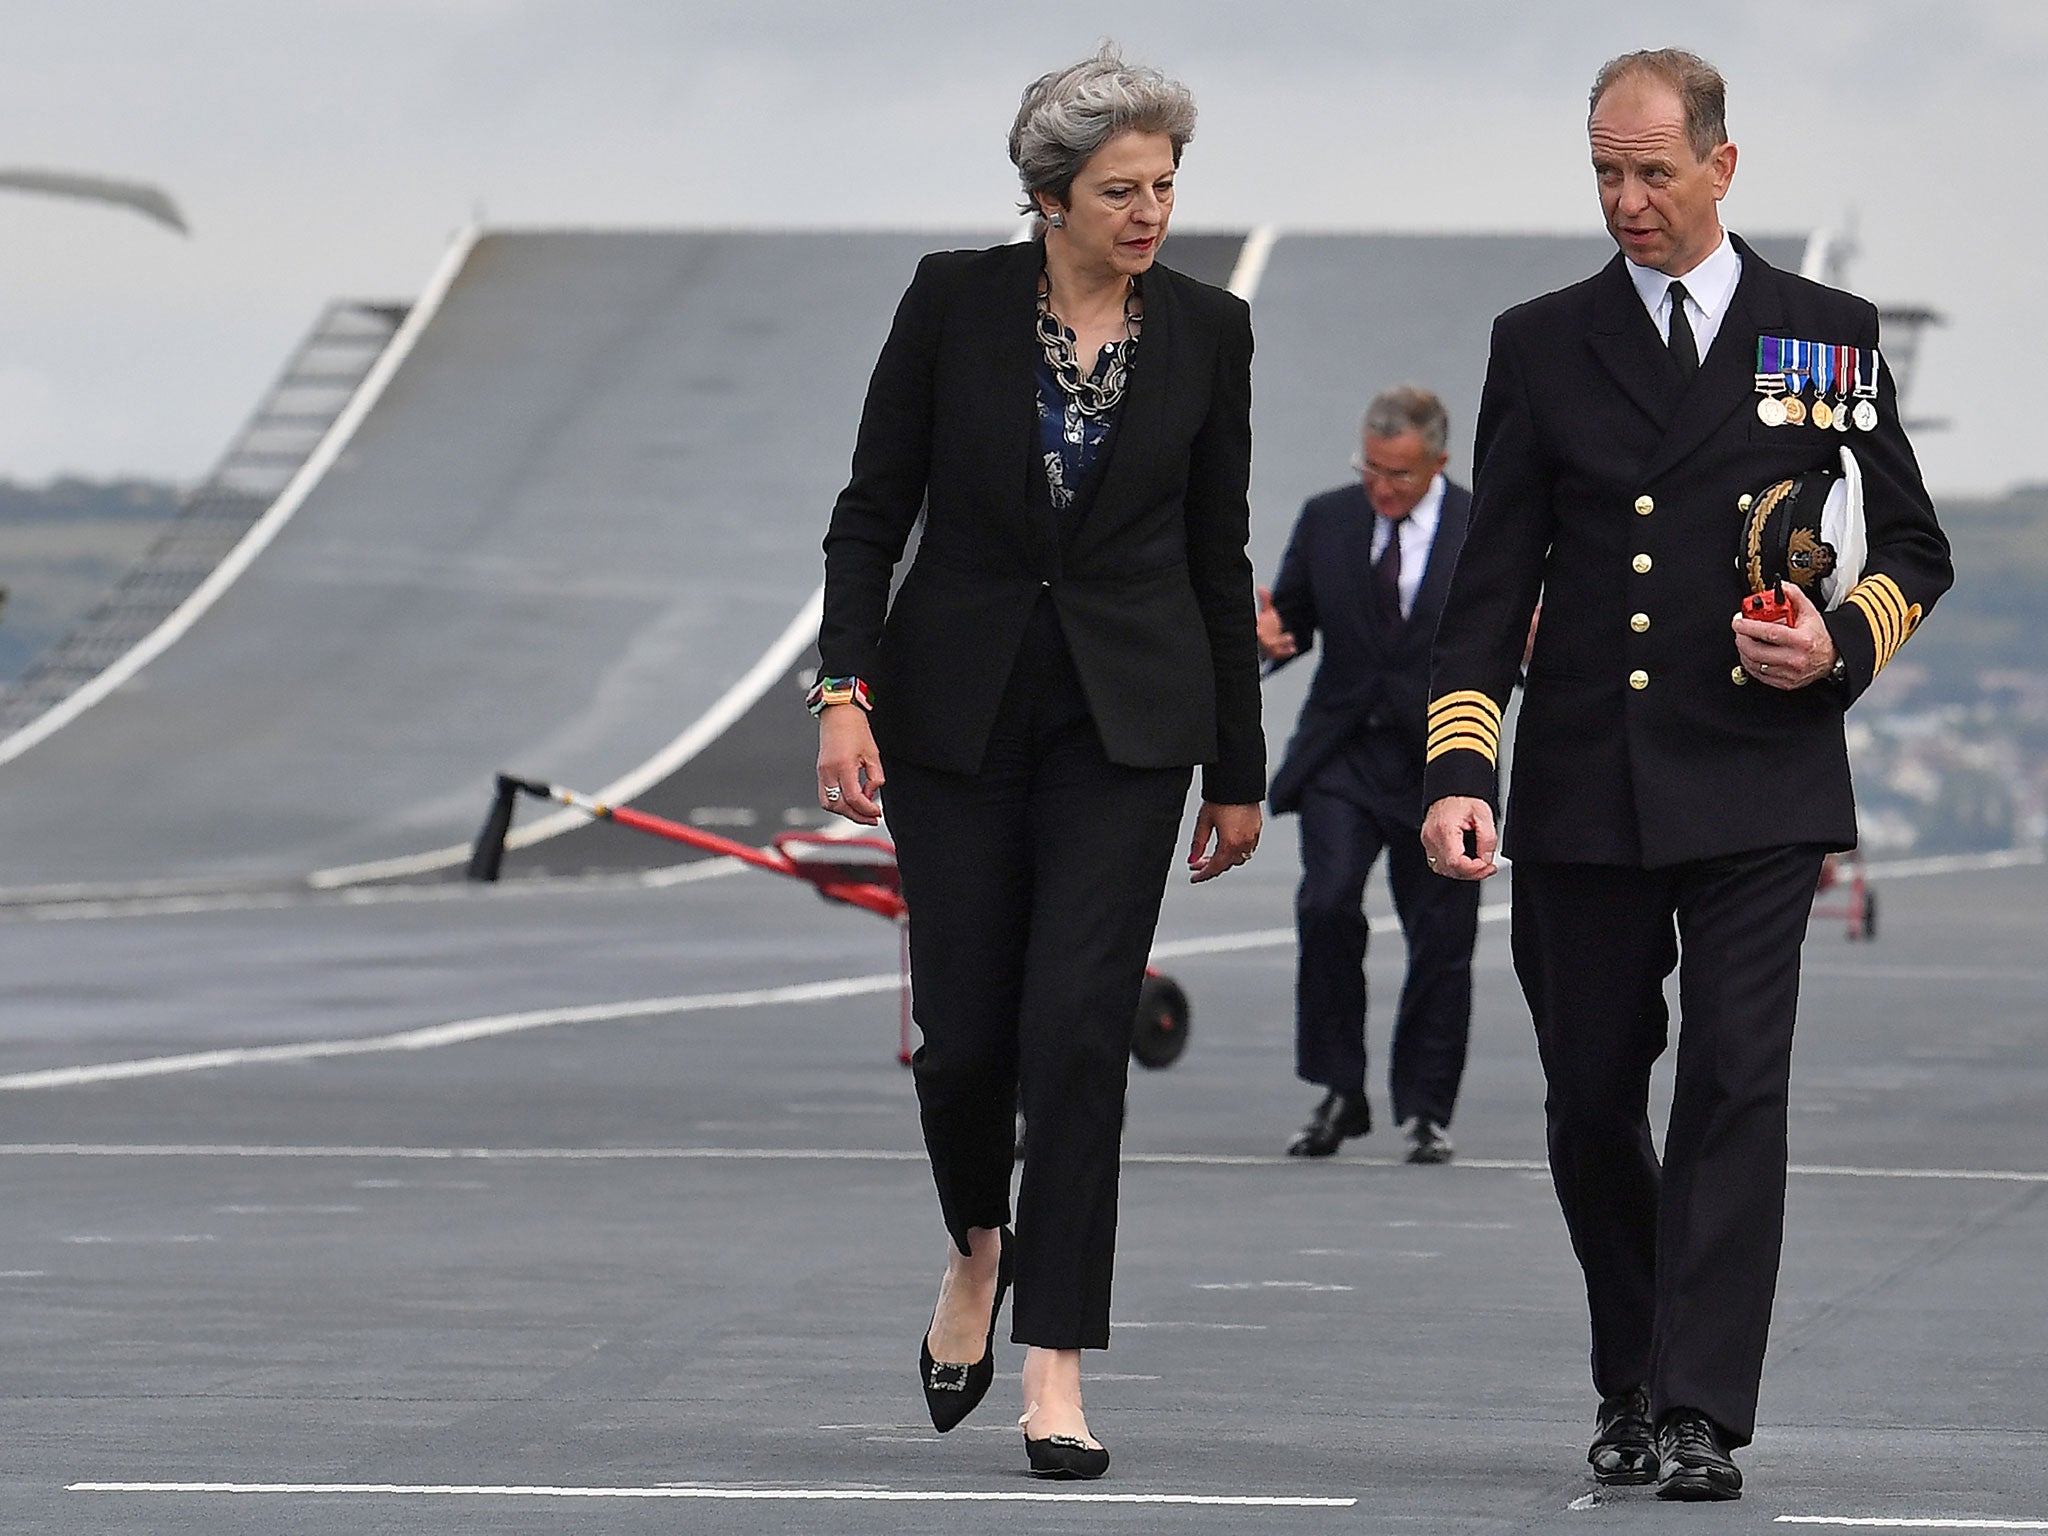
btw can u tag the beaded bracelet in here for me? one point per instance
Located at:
(838, 690)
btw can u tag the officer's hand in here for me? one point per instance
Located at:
(1275, 643)
(1443, 837)
(849, 768)
(1786, 656)
(1234, 832)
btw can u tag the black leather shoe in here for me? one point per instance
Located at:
(1427, 1142)
(1065, 1456)
(1693, 1459)
(1624, 1449)
(951, 1391)
(1339, 1116)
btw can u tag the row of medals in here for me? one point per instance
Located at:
(1791, 411)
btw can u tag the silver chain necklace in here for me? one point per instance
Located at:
(1094, 397)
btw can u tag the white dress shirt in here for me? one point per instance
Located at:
(1418, 532)
(1709, 289)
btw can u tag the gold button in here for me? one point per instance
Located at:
(1639, 679)
(1639, 622)
(1642, 565)
(1645, 506)
(1742, 502)
(1738, 677)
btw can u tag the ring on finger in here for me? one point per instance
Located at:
(832, 792)
(1763, 666)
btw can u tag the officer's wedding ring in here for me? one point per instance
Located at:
(1763, 666)
(832, 793)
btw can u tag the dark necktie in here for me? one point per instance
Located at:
(1685, 351)
(1386, 579)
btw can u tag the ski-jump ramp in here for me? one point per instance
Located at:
(572, 531)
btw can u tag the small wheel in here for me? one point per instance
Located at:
(1869, 914)
(1160, 1032)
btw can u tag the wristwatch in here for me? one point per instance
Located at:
(1838, 674)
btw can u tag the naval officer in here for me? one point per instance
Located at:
(1680, 768)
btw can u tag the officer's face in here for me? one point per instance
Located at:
(1397, 472)
(1662, 203)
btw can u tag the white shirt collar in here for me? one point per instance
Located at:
(1710, 288)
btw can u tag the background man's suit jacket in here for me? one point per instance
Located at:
(1614, 490)
(1365, 686)
(1153, 586)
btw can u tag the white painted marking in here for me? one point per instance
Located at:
(287, 1210)
(23, 1274)
(770, 669)
(1913, 1523)
(1529, 1168)
(266, 527)
(1251, 262)
(1269, 1285)
(735, 1495)
(1202, 1327)
(459, 1032)
(90, 1238)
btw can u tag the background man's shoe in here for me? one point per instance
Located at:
(1427, 1142)
(1339, 1116)
(1624, 1449)
(1693, 1459)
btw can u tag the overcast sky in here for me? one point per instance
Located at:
(326, 148)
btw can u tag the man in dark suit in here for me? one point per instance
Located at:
(1680, 769)
(1368, 566)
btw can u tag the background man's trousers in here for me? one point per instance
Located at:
(1341, 837)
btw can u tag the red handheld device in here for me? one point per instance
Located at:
(1769, 606)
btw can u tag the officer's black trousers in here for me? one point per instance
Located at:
(1681, 1262)
(1034, 889)
(1341, 837)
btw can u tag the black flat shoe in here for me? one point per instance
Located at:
(951, 1392)
(1624, 1449)
(1694, 1460)
(1065, 1456)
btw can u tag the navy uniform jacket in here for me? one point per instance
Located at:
(1612, 491)
(1153, 586)
(1364, 686)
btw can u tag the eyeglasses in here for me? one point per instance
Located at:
(1361, 465)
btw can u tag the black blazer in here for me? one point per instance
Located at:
(1363, 684)
(1612, 489)
(1153, 586)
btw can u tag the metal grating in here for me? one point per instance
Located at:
(294, 415)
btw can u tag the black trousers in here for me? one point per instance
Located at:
(1341, 838)
(1034, 889)
(1681, 1261)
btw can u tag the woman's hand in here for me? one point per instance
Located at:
(849, 768)
(1234, 829)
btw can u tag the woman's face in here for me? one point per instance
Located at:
(1120, 203)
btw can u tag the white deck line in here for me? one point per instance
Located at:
(728, 1495)
(255, 1153)
(795, 638)
(1251, 261)
(1911, 1523)
(266, 527)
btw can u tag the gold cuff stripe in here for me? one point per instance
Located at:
(1890, 616)
(1465, 714)
(1465, 696)
(1478, 730)
(1486, 749)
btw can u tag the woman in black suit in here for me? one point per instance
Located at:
(1074, 635)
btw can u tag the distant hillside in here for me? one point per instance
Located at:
(1996, 618)
(62, 545)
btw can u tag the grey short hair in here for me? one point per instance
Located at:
(1066, 116)
(1701, 91)
(1409, 408)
